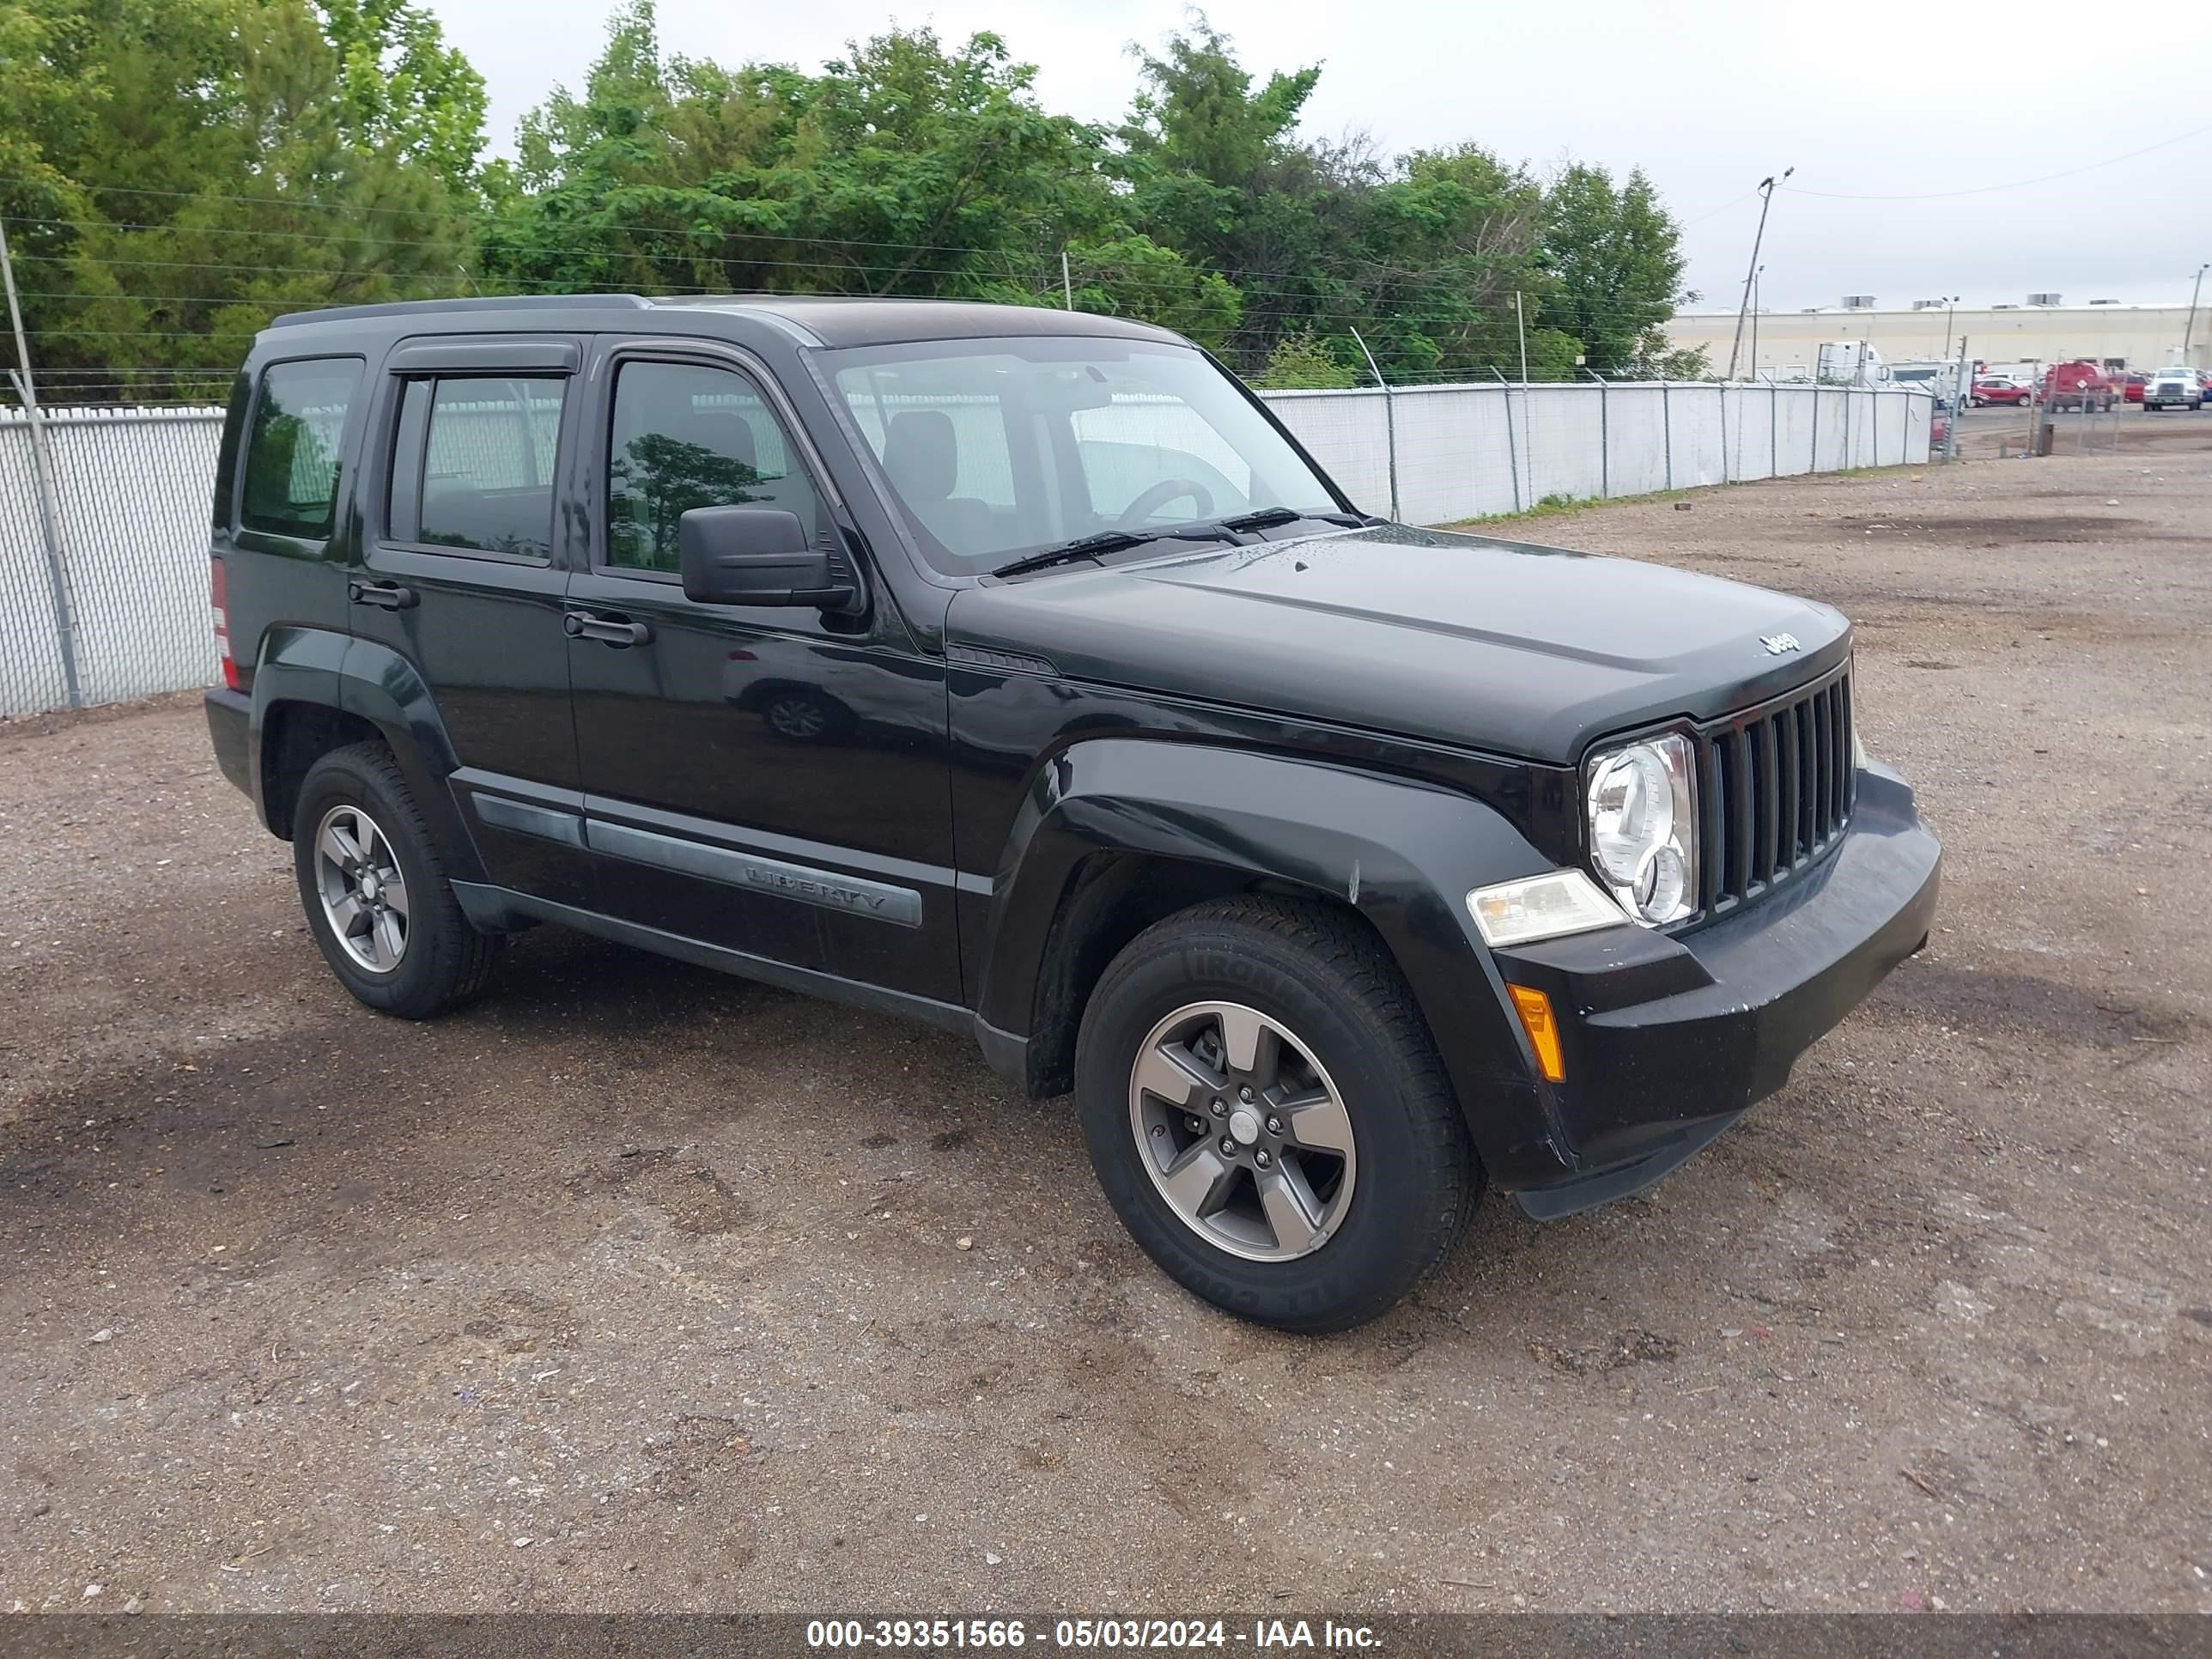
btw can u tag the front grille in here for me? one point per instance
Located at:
(1776, 786)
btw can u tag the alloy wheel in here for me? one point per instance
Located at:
(1242, 1132)
(364, 894)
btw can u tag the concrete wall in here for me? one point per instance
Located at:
(2138, 337)
(135, 487)
(1468, 451)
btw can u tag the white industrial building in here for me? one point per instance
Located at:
(2041, 329)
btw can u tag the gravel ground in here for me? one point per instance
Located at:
(634, 1287)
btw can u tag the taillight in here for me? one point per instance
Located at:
(217, 595)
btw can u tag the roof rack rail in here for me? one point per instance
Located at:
(482, 302)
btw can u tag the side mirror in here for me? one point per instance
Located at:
(756, 556)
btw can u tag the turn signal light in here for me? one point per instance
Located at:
(1535, 1010)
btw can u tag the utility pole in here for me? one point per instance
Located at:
(1950, 310)
(1066, 283)
(2189, 333)
(1765, 201)
(49, 500)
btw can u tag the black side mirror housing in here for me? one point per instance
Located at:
(757, 555)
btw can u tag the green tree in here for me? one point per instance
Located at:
(1616, 260)
(193, 166)
(1300, 361)
(1445, 244)
(1135, 277)
(1212, 169)
(904, 167)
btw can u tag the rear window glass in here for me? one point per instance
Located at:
(291, 452)
(472, 463)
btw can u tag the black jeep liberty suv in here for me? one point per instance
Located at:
(1016, 670)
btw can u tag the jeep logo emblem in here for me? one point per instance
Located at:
(1778, 645)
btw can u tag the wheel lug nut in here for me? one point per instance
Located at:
(1246, 1095)
(1219, 1108)
(1228, 1147)
(1261, 1159)
(1196, 1122)
(1274, 1125)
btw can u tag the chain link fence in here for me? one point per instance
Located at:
(111, 590)
(2076, 425)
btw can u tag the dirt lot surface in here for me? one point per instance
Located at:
(637, 1287)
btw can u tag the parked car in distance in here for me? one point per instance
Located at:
(1017, 672)
(2132, 387)
(1939, 430)
(2176, 387)
(2079, 386)
(1998, 389)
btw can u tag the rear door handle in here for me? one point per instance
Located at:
(583, 625)
(389, 596)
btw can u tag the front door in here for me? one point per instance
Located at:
(766, 780)
(459, 577)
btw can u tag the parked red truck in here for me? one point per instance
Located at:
(2077, 385)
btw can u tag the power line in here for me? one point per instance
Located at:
(2017, 184)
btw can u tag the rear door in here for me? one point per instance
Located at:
(766, 780)
(461, 574)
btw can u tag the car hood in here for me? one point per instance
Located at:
(1463, 640)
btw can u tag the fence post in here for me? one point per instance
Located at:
(1667, 430)
(1813, 459)
(42, 464)
(1389, 421)
(1604, 437)
(1773, 427)
(1512, 450)
(1723, 394)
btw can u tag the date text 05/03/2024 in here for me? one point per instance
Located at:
(1085, 1634)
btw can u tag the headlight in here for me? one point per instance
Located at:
(1643, 804)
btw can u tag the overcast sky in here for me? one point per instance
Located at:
(1876, 98)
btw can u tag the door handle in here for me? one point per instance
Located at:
(583, 625)
(389, 596)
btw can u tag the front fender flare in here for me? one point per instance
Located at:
(1402, 853)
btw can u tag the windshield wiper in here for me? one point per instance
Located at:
(1266, 517)
(1110, 541)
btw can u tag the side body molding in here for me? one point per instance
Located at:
(1403, 853)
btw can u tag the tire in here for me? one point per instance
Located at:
(355, 809)
(1358, 1066)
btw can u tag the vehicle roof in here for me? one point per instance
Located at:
(819, 320)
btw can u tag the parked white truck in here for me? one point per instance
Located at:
(1851, 362)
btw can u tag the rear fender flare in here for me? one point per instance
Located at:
(1402, 853)
(364, 678)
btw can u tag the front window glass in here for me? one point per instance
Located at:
(687, 435)
(995, 448)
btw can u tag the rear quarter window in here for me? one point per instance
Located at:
(295, 445)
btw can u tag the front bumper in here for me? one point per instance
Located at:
(1669, 1040)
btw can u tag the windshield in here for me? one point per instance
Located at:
(999, 447)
